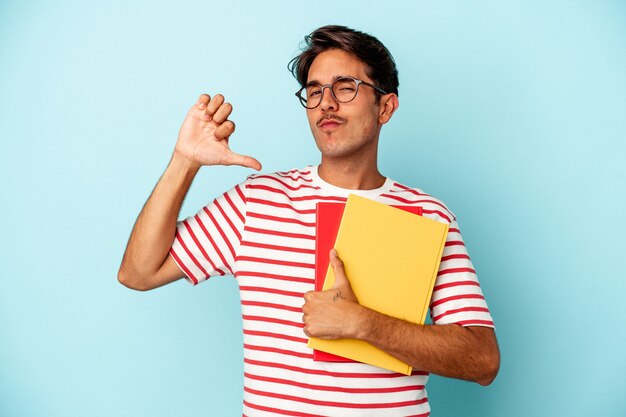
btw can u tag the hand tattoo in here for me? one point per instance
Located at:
(337, 296)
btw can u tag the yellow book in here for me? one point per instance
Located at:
(391, 258)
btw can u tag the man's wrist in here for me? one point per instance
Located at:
(363, 322)
(179, 162)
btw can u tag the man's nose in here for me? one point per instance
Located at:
(328, 101)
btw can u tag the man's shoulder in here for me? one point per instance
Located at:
(400, 194)
(291, 180)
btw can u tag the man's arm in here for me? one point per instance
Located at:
(202, 140)
(469, 353)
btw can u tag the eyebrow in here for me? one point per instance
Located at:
(335, 78)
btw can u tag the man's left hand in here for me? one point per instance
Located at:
(334, 313)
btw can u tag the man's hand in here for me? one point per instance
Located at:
(334, 313)
(203, 137)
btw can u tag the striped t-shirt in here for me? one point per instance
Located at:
(263, 232)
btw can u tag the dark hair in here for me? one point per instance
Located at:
(381, 67)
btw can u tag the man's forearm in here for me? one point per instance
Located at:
(469, 353)
(155, 227)
(202, 141)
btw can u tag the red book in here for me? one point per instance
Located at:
(328, 219)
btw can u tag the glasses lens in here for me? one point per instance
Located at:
(312, 96)
(344, 89)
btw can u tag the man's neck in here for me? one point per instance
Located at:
(352, 175)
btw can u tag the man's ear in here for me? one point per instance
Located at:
(387, 106)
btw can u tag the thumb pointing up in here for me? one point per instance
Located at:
(341, 280)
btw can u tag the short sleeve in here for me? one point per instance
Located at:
(457, 297)
(206, 244)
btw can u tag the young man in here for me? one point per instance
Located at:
(263, 232)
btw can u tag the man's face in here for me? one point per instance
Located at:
(343, 130)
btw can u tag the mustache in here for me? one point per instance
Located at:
(330, 116)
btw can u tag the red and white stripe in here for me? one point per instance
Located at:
(263, 232)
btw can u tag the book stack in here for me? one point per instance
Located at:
(391, 256)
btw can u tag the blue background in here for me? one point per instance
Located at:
(512, 112)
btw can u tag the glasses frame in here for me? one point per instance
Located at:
(358, 82)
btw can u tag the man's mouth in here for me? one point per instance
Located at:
(329, 123)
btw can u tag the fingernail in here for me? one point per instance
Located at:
(334, 252)
(202, 106)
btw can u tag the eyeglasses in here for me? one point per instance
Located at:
(343, 90)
